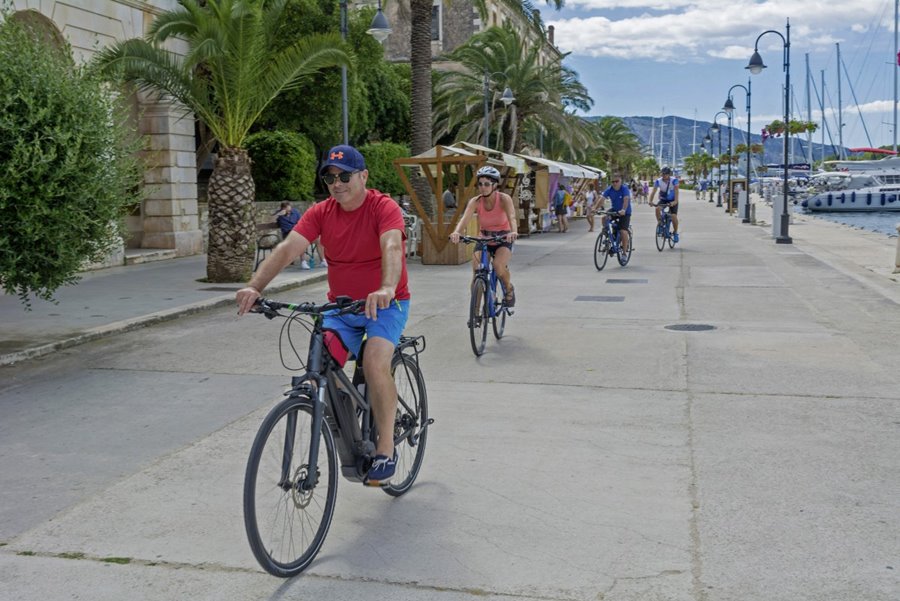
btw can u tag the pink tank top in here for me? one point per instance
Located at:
(495, 220)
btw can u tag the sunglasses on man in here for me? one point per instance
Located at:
(344, 176)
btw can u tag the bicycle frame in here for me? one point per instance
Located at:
(665, 221)
(486, 271)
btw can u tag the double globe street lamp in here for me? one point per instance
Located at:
(379, 29)
(716, 129)
(756, 66)
(506, 98)
(729, 108)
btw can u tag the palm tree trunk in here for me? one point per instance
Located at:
(420, 104)
(232, 223)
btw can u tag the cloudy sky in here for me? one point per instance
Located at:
(655, 57)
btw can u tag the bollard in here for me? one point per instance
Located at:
(897, 258)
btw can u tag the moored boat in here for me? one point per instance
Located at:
(859, 192)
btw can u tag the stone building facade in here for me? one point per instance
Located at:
(453, 23)
(168, 216)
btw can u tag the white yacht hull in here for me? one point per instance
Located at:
(854, 200)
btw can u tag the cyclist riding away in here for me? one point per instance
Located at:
(363, 233)
(619, 196)
(496, 216)
(667, 186)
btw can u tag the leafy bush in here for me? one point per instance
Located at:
(67, 167)
(380, 163)
(284, 165)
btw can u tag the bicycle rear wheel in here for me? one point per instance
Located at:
(478, 316)
(601, 250)
(671, 236)
(410, 427)
(498, 321)
(624, 254)
(285, 524)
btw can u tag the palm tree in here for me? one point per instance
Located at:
(542, 93)
(227, 76)
(618, 149)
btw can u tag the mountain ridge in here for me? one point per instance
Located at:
(647, 128)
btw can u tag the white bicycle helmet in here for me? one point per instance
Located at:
(488, 172)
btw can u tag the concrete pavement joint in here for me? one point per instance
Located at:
(206, 567)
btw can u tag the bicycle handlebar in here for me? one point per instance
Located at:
(343, 304)
(474, 240)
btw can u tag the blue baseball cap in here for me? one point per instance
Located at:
(345, 158)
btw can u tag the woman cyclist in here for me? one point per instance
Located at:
(496, 216)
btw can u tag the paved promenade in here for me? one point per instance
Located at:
(595, 453)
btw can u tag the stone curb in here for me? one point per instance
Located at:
(127, 325)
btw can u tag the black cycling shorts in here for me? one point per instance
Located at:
(673, 208)
(624, 221)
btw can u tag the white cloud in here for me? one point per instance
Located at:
(694, 31)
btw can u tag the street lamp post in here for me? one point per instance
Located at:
(755, 66)
(507, 98)
(716, 129)
(379, 29)
(345, 118)
(729, 108)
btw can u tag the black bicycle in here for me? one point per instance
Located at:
(325, 424)
(609, 242)
(664, 230)
(488, 298)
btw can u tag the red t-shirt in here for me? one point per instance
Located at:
(352, 241)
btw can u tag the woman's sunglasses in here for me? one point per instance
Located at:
(344, 176)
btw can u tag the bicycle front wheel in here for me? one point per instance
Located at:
(478, 316)
(601, 250)
(661, 235)
(624, 254)
(499, 320)
(411, 424)
(286, 523)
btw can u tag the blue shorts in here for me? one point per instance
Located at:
(389, 325)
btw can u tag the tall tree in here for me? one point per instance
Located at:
(542, 93)
(232, 69)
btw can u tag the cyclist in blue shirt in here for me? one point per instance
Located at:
(619, 196)
(667, 186)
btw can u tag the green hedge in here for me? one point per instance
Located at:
(67, 167)
(284, 166)
(380, 163)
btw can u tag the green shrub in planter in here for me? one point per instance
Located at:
(283, 166)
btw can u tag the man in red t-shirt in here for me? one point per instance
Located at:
(363, 234)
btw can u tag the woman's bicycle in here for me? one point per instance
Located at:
(664, 230)
(488, 299)
(609, 242)
(325, 425)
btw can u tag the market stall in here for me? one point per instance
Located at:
(542, 180)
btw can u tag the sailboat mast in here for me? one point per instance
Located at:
(809, 135)
(673, 142)
(840, 107)
(897, 56)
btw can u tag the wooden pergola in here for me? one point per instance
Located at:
(432, 165)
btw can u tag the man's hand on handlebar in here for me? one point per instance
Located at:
(512, 236)
(245, 298)
(454, 237)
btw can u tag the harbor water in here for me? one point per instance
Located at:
(884, 222)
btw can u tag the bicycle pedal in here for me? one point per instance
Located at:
(376, 483)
